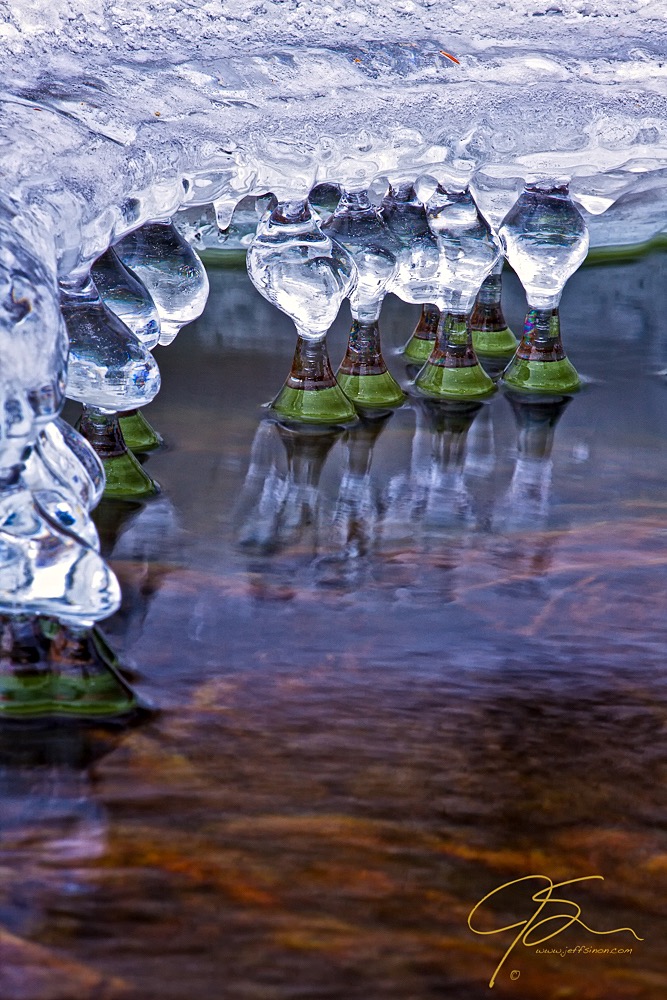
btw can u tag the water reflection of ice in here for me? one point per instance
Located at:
(145, 543)
(341, 534)
(49, 811)
(432, 525)
(53, 827)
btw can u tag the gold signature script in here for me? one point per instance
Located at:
(529, 930)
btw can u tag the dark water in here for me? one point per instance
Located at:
(397, 668)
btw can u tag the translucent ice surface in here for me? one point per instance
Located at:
(127, 297)
(118, 114)
(45, 569)
(468, 249)
(358, 227)
(545, 241)
(71, 461)
(171, 272)
(108, 366)
(300, 269)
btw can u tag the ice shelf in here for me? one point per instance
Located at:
(117, 113)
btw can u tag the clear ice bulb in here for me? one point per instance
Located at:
(418, 259)
(107, 366)
(65, 483)
(545, 240)
(127, 297)
(468, 248)
(46, 570)
(171, 271)
(467, 252)
(300, 269)
(357, 225)
(77, 460)
(62, 460)
(306, 274)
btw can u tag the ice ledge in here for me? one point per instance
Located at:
(115, 113)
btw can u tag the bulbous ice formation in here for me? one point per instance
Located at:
(46, 567)
(418, 261)
(171, 271)
(61, 458)
(468, 250)
(357, 226)
(109, 371)
(44, 570)
(307, 275)
(127, 297)
(66, 479)
(33, 346)
(300, 269)
(72, 459)
(545, 239)
(108, 367)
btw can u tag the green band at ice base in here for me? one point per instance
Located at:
(371, 390)
(494, 343)
(555, 377)
(126, 479)
(314, 406)
(469, 382)
(139, 436)
(418, 349)
(47, 693)
(422, 341)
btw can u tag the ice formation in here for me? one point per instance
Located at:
(116, 115)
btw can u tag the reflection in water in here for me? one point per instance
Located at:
(431, 500)
(481, 451)
(63, 706)
(300, 517)
(281, 510)
(405, 664)
(522, 513)
(526, 503)
(280, 503)
(292, 527)
(359, 508)
(130, 535)
(448, 504)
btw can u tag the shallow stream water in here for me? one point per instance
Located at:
(396, 667)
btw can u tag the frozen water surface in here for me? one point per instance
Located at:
(118, 113)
